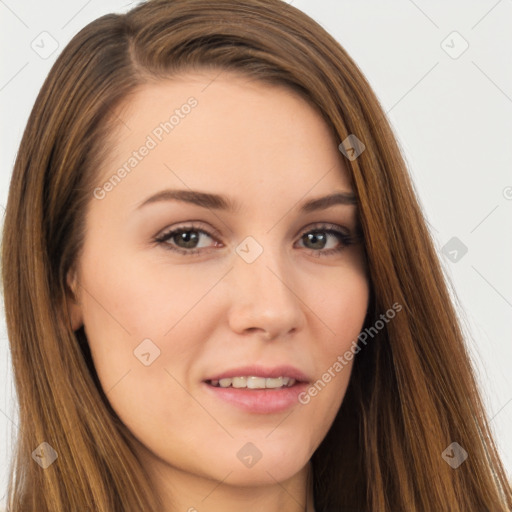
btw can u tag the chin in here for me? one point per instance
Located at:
(251, 465)
(259, 475)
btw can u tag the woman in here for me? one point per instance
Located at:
(220, 290)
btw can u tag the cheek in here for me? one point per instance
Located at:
(341, 304)
(147, 297)
(341, 309)
(146, 326)
(144, 336)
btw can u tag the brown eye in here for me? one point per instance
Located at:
(187, 240)
(315, 240)
(324, 240)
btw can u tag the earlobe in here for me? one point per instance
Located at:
(73, 301)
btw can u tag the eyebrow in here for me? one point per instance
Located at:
(219, 202)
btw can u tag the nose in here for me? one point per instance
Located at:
(265, 297)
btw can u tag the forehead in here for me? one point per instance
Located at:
(222, 130)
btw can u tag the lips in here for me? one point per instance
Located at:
(255, 398)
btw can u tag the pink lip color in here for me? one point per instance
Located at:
(261, 401)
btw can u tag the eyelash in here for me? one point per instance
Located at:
(344, 239)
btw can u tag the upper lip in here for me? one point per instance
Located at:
(262, 371)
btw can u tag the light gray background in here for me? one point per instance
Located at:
(453, 118)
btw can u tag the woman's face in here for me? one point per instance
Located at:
(254, 284)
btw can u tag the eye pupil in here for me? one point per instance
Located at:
(318, 240)
(189, 239)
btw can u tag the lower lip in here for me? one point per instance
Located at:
(261, 401)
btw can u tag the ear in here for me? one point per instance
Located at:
(73, 301)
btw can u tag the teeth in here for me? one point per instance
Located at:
(252, 382)
(274, 383)
(239, 382)
(225, 383)
(256, 382)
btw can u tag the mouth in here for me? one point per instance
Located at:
(257, 389)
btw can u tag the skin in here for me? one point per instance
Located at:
(267, 148)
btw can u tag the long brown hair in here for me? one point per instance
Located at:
(412, 391)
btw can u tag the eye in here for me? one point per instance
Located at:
(326, 239)
(186, 240)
